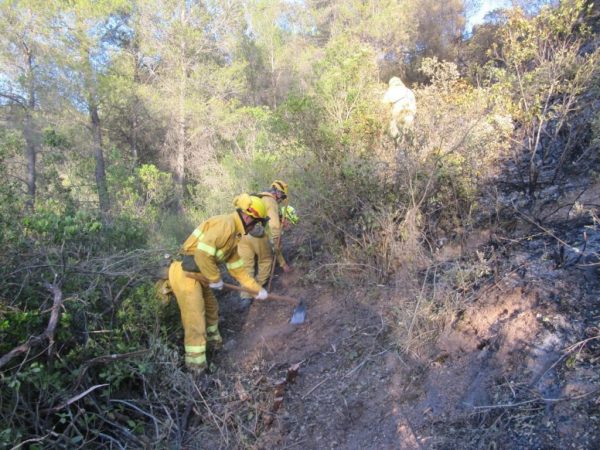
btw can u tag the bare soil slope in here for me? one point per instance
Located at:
(515, 367)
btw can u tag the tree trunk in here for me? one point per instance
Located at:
(100, 171)
(134, 130)
(136, 103)
(179, 169)
(179, 163)
(30, 140)
(273, 77)
(31, 154)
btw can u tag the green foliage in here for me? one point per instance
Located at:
(49, 223)
(300, 123)
(55, 139)
(447, 164)
(595, 125)
(11, 144)
(427, 183)
(145, 195)
(141, 326)
(17, 325)
(139, 316)
(442, 74)
(545, 72)
(541, 54)
(345, 92)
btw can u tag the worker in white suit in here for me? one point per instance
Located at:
(403, 104)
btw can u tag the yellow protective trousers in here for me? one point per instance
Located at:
(248, 248)
(199, 314)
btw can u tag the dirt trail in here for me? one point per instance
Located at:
(517, 367)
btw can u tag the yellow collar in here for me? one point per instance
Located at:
(239, 226)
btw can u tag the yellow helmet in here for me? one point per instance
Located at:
(280, 186)
(251, 205)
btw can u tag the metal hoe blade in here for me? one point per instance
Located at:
(299, 314)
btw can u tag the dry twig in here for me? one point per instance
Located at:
(77, 397)
(314, 388)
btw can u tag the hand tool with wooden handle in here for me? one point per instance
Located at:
(298, 315)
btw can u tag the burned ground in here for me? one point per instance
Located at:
(514, 365)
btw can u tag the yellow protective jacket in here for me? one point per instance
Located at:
(274, 224)
(215, 241)
(272, 206)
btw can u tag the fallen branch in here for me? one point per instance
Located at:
(538, 400)
(576, 346)
(294, 444)
(141, 411)
(215, 419)
(47, 334)
(77, 397)
(105, 359)
(357, 367)
(421, 295)
(544, 229)
(29, 441)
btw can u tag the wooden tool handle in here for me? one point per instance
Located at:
(232, 287)
(273, 262)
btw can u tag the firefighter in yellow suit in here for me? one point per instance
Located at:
(259, 244)
(212, 242)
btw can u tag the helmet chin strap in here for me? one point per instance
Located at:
(246, 224)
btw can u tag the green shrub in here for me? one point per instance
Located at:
(146, 195)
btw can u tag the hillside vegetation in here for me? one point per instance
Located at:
(451, 274)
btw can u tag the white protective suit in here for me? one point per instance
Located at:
(403, 105)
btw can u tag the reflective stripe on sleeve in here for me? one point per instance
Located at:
(235, 265)
(211, 250)
(212, 329)
(207, 248)
(195, 348)
(195, 354)
(197, 233)
(200, 360)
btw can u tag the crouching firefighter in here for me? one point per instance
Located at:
(260, 243)
(212, 242)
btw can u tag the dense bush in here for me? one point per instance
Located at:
(76, 289)
(105, 304)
